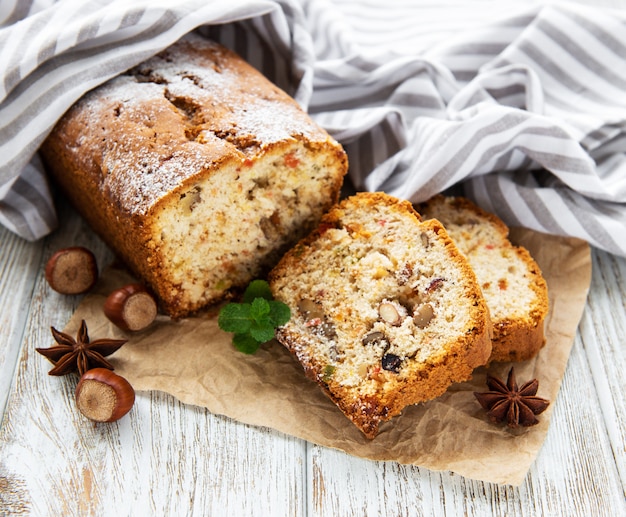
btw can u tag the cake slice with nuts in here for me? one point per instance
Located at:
(385, 311)
(511, 280)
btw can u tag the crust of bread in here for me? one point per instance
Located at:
(195, 170)
(429, 368)
(518, 326)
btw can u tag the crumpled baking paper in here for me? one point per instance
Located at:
(193, 360)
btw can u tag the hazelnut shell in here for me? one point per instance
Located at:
(131, 307)
(104, 396)
(72, 270)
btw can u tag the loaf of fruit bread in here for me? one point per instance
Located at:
(511, 281)
(196, 170)
(385, 311)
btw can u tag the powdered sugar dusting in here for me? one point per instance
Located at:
(179, 114)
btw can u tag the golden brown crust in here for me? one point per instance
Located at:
(193, 119)
(520, 339)
(381, 394)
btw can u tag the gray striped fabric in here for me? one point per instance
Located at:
(521, 106)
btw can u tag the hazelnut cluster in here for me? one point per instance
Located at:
(74, 271)
(101, 395)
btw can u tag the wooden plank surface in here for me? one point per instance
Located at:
(172, 459)
(163, 459)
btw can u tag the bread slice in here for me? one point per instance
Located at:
(511, 280)
(385, 311)
(196, 170)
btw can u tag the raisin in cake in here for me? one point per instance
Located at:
(385, 311)
(511, 281)
(196, 170)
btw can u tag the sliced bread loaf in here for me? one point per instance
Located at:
(511, 280)
(196, 171)
(385, 310)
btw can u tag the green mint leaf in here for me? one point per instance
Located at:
(245, 343)
(235, 317)
(254, 321)
(257, 289)
(280, 313)
(260, 310)
(262, 333)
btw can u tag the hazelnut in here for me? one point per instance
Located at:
(104, 396)
(72, 270)
(131, 307)
(389, 314)
(373, 338)
(423, 315)
(310, 310)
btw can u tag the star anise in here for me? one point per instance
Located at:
(71, 355)
(507, 402)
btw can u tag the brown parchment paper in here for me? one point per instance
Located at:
(193, 360)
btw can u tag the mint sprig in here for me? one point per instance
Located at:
(253, 321)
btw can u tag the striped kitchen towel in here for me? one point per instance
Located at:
(521, 106)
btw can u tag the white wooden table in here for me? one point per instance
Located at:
(166, 458)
